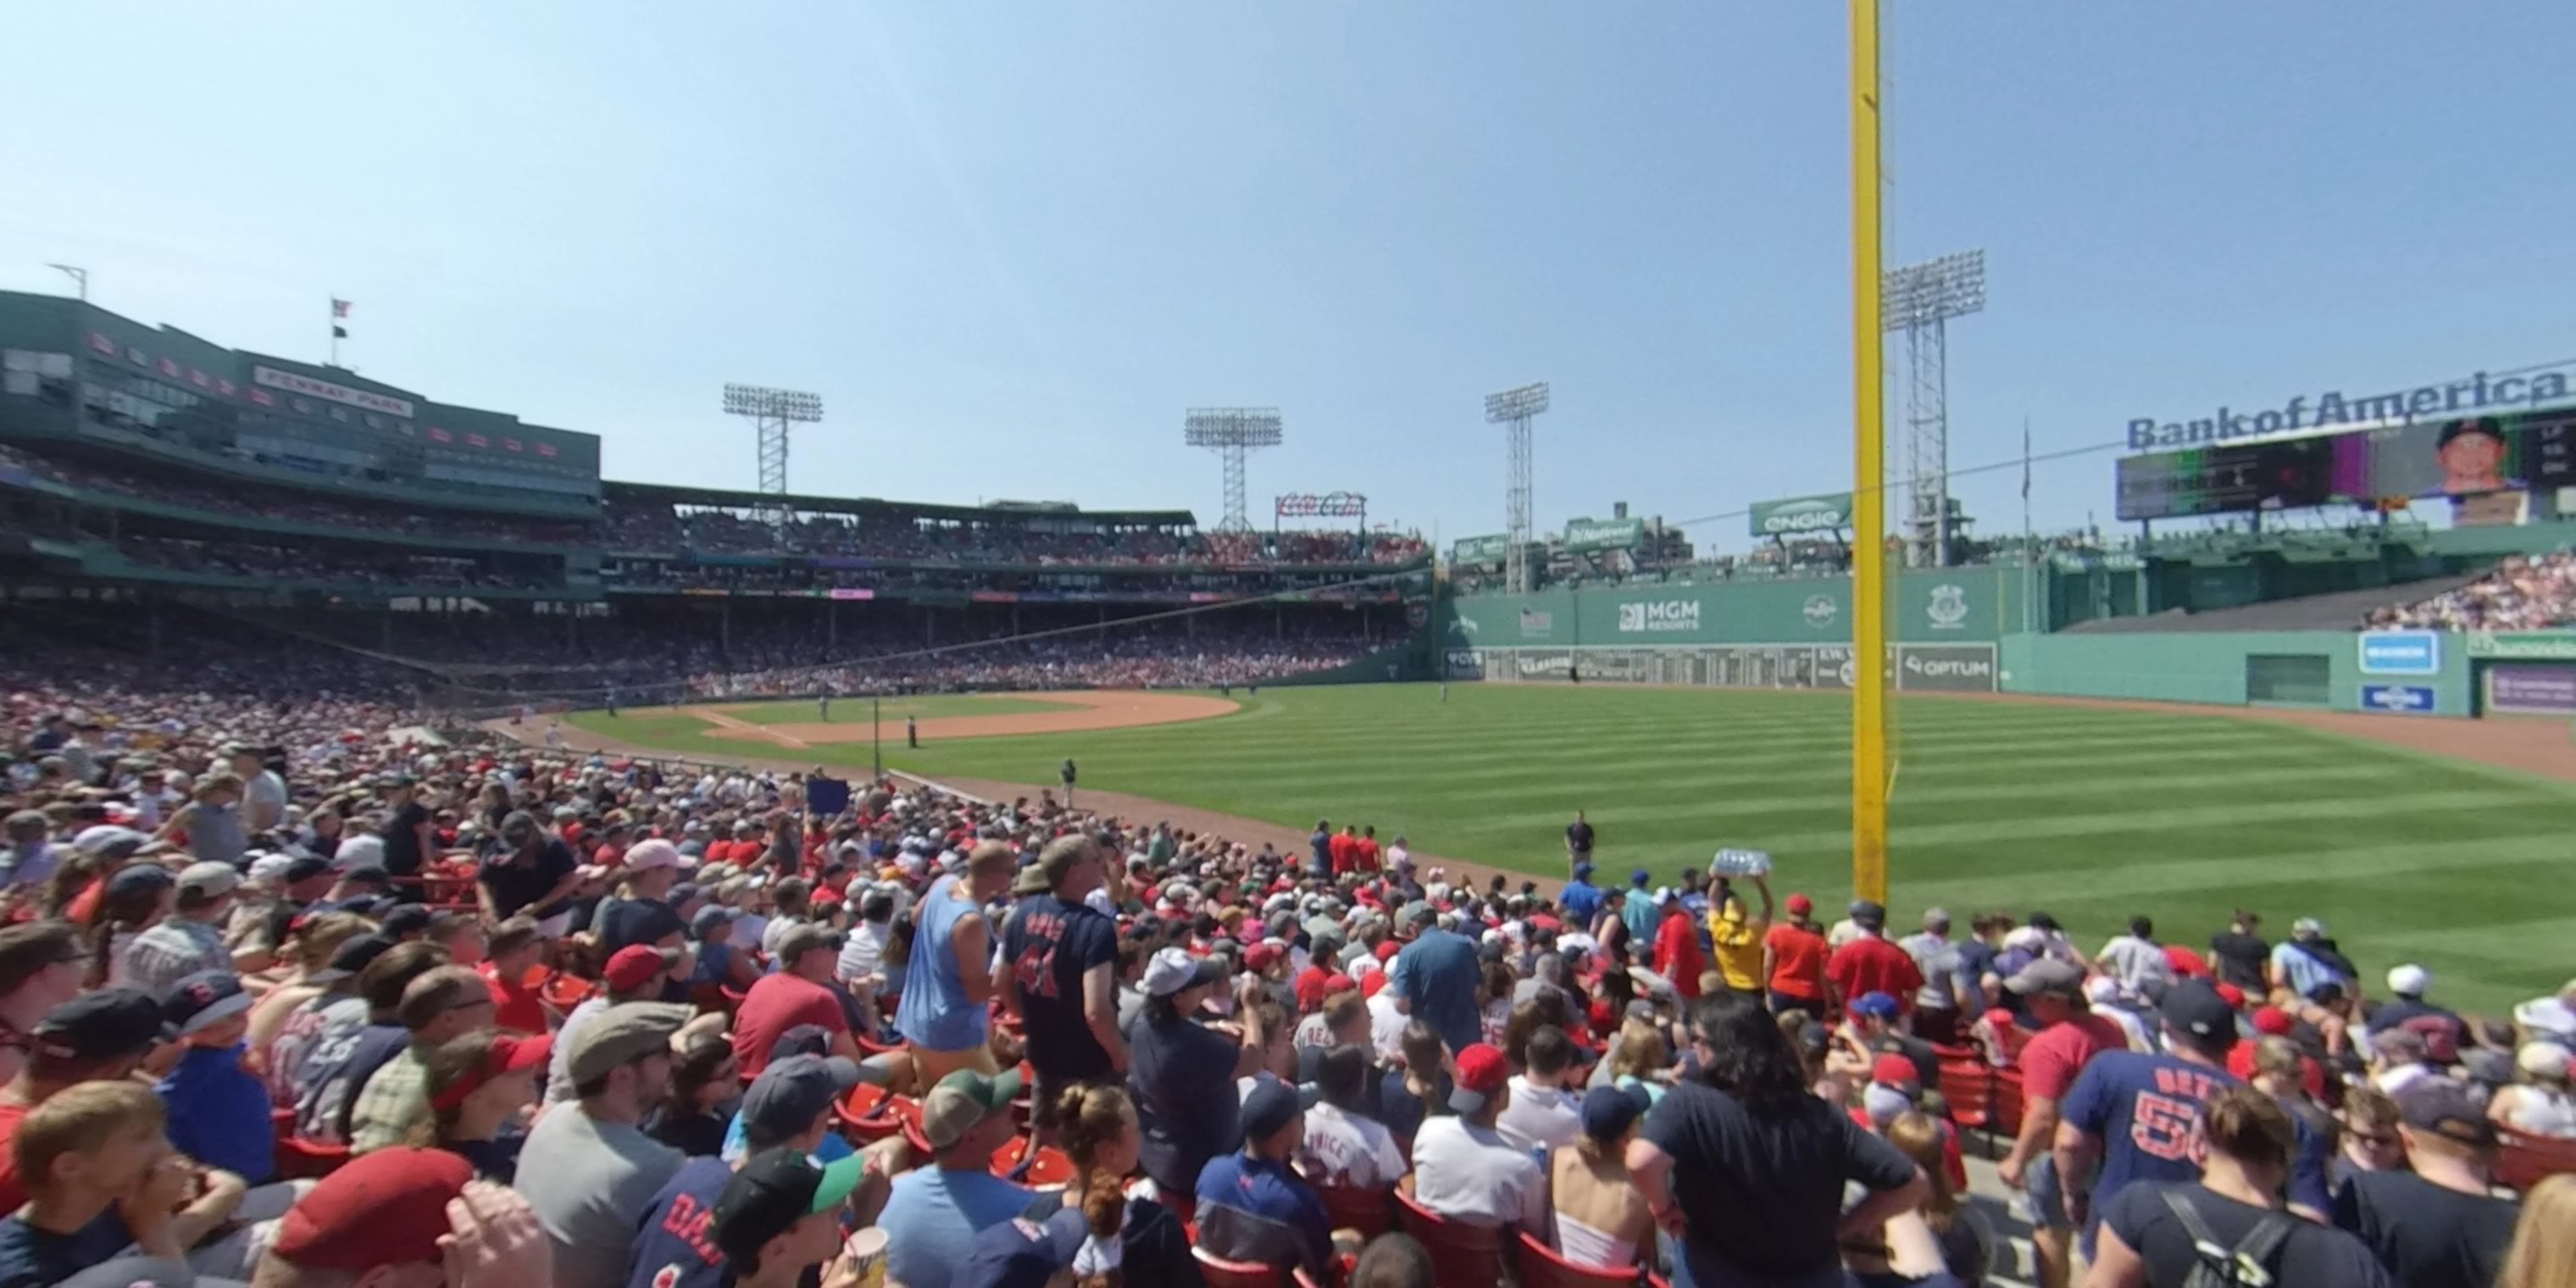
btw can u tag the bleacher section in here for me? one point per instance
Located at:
(2342, 610)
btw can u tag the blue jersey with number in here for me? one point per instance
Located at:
(2146, 1111)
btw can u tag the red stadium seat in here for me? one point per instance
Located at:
(870, 1046)
(299, 1159)
(1371, 1212)
(564, 992)
(2004, 1120)
(1542, 1267)
(1221, 1273)
(1052, 1170)
(2524, 1161)
(1462, 1255)
(1969, 1086)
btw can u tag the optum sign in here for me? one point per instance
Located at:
(1805, 514)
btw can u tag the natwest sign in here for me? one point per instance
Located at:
(329, 392)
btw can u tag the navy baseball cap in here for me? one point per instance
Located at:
(1021, 1253)
(103, 1025)
(1607, 1111)
(203, 1000)
(788, 1095)
(774, 1191)
(1879, 1006)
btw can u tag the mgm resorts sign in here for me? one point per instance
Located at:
(1659, 615)
(2332, 410)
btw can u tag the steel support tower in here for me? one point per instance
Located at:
(1919, 300)
(1232, 433)
(771, 412)
(1515, 408)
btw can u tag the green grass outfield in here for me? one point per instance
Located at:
(854, 711)
(2090, 814)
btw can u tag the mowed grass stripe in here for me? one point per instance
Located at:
(2139, 766)
(2092, 814)
(1720, 747)
(1743, 801)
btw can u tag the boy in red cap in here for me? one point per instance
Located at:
(1463, 1168)
(408, 1218)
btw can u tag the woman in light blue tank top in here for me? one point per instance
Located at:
(936, 1013)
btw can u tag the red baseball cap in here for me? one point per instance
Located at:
(2271, 1021)
(630, 966)
(510, 1053)
(1369, 987)
(386, 1208)
(1481, 1072)
(1262, 956)
(1339, 983)
(1894, 1070)
(1801, 904)
(2233, 996)
(1387, 950)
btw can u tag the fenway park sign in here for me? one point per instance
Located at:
(329, 392)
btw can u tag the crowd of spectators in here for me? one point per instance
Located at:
(253, 501)
(278, 559)
(2523, 593)
(536, 1017)
(636, 525)
(1136, 659)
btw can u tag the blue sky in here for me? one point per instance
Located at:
(1010, 243)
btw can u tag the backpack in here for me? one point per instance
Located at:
(2246, 1265)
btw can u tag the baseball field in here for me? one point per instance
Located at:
(2091, 814)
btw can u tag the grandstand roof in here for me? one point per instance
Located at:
(671, 494)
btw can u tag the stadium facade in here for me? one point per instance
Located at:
(147, 465)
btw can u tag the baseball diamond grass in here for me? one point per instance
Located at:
(2090, 814)
(855, 710)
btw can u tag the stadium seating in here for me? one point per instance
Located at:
(1462, 1255)
(1351, 1207)
(1541, 1267)
(1221, 1273)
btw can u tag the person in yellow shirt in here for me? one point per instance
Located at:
(1736, 940)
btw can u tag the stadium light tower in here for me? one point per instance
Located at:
(1232, 433)
(1516, 407)
(771, 412)
(1920, 299)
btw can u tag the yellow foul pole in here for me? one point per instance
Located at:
(1869, 468)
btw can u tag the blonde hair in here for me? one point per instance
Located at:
(2249, 1126)
(320, 939)
(1088, 1121)
(81, 1118)
(1918, 1137)
(2544, 1240)
(1641, 1050)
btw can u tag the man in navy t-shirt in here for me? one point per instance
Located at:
(2140, 1114)
(1063, 977)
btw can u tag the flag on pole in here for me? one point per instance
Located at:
(339, 313)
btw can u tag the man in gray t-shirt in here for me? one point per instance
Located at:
(263, 806)
(588, 1169)
(1947, 990)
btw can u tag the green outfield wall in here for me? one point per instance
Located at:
(2237, 668)
(1969, 605)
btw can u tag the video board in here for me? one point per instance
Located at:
(2464, 456)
